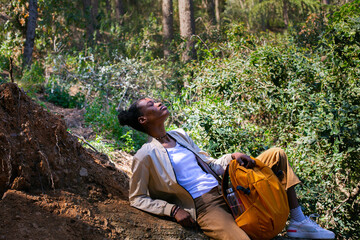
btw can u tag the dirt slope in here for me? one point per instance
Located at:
(53, 188)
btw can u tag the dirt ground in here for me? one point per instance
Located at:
(51, 187)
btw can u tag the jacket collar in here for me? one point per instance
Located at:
(165, 161)
(182, 142)
(155, 142)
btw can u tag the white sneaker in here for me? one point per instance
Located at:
(308, 229)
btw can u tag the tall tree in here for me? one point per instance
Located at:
(210, 9)
(217, 13)
(108, 8)
(30, 33)
(88, 19)
(187, 28)
(167, 21)
(285, 12)
(91, 9)
(94, 15)
(119, 10)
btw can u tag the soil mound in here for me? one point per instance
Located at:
(53, 188)
(38, 154)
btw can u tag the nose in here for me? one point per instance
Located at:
(159, 104)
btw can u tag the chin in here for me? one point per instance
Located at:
(167, 114)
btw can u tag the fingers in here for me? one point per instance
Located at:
(250, 164)
(188, 222)
(184, 219)
(244, 160)
(240, 162)
(238, 157)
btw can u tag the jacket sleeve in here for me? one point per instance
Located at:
(218, 165)
(139, 192)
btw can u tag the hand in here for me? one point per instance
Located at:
(184, 218)
(243, 160)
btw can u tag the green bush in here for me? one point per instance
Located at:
(305, 100)
(33, 78)
(59, 95)
(103, 119)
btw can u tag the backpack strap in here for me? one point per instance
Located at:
(245, 190)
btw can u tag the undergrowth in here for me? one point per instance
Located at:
(246, 92)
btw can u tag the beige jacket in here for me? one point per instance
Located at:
(153, 185)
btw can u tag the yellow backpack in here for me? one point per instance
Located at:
(263, 197)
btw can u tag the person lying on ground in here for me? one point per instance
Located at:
(173, 177)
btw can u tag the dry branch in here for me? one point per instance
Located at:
(83, 139)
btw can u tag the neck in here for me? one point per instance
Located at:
(162, 137)
(158, 132)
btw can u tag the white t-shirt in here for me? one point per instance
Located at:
(188, 172)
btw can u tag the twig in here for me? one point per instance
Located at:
(48, 165)
(121, 99)
(352, 195)
(83, 139)
(11, 70)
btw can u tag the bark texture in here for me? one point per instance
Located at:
(167, 21)
(210, 10)
(30, 32)
(94, 15)
(285, 12)
(187, 28)
(217, 13)
(108, 11)
(119, 10)
(87, 14)
(91, 9)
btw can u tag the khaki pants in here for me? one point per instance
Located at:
(214, 216)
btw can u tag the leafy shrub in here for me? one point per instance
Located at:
(59, 95)
(32, 78)
(293, 97)
(103, 119)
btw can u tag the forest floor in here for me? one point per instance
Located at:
(53, 188)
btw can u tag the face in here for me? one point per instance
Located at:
(153, 112)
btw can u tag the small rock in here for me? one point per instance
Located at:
(34, 225)
(83, 172)
(106, 222)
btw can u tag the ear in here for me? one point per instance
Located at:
(142, 120)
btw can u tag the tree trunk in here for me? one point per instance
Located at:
(94, 16)
(119, 10)
(187, 28)
(210, 9)
(285, 12)
(30, 33)
(88, 19)
(108, 9)
(167, 21)
(217, 13)
(91, 10)
(241, 4)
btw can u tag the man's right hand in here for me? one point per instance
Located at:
(184, 218)
(243, 160)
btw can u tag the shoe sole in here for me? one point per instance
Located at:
(308, 236)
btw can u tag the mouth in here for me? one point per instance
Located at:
(163, 108)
